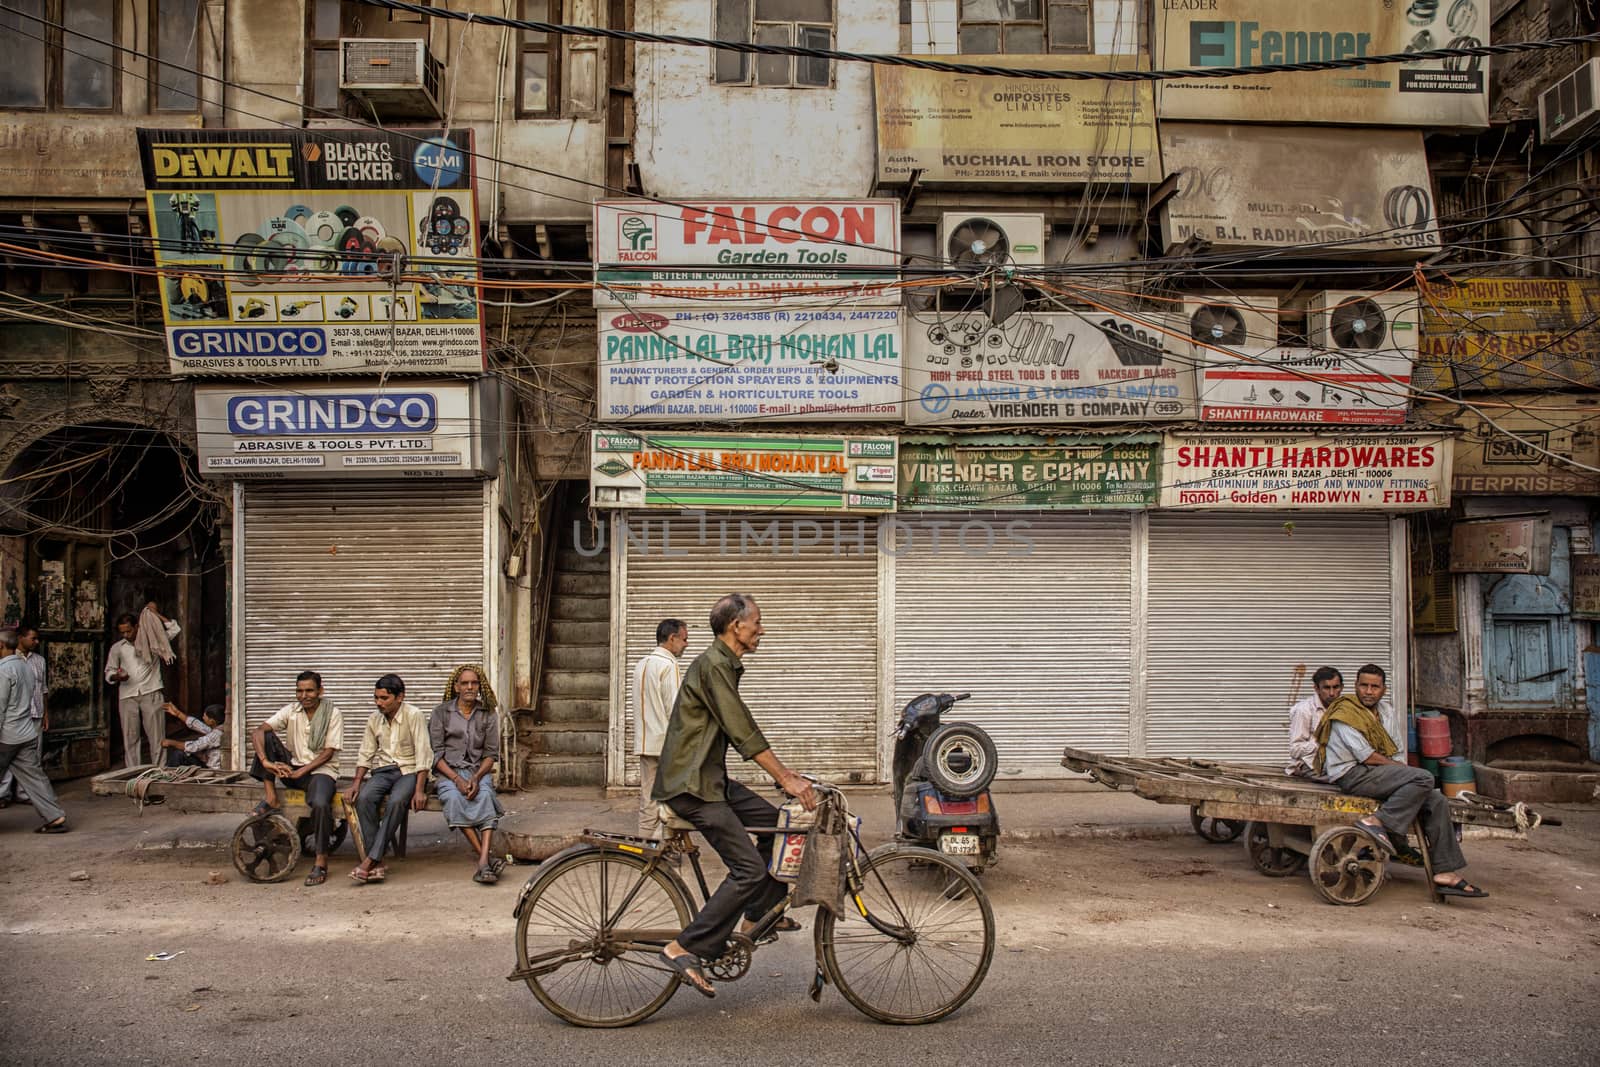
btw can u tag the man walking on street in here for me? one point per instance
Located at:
(139, 695)
(393, 767)
(656, 678)
(1354, 752)
(19, 732)
(693, 781)
(28, 650)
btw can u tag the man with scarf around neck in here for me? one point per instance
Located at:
(297, 749)
(1355, 752)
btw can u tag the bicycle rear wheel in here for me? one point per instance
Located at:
(590, 929)
(941, 963)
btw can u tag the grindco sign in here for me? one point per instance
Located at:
(763, 251)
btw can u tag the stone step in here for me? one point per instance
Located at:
(592, 685)
(571, 561)
(566, 739)
(538, 770)
(577, 658)
(582, 583)
(571, 608)
(552, 709)
(573, 632)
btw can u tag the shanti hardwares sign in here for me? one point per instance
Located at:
(1244, 33)
(1076, 472)
(1337, 191)
(403, 429)
(1489, 334)
(758, 251)
(1388, 472)
(687, 365)
(315, 251)
(793, 473)
(1055, 367)
(958, 128)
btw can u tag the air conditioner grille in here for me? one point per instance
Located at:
(377, 62)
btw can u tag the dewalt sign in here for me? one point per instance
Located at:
(227, 163)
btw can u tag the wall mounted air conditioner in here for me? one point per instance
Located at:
(1569, 107)
(975, 241)
(1232, 321)
(1357, 320)
(397, 77)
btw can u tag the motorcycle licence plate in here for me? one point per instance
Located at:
(959, 844)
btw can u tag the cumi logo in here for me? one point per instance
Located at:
(636, 238)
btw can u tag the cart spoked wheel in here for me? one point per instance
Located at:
(1270, 861)
(1216, 831)
(1346, 867)
(266, 848)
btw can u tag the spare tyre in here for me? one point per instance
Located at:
(960, 759)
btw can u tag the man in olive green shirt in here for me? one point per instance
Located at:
(693, 781)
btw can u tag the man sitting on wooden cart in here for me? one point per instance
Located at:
(1354, 753)
(296, 749)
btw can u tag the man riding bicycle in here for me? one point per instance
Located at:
(707, 718)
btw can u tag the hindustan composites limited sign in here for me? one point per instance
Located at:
(321, 251)
(1240, 33)
(760, 251)
(413, 430)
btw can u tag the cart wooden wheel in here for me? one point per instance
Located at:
(266, 848)
(1270, 861)
(1216, 831)
(1346, 867)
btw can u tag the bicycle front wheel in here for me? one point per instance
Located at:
(588, 934)
(946, 945)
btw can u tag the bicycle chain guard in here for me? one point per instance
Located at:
(734, 963)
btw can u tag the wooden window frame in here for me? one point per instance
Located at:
(198, 95)
(752, 61)
(1042, 24)
(55, 57)
(309, 109)
(550, 11)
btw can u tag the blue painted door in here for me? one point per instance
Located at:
(1528, 649)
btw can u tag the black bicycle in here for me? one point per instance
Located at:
(590, 923)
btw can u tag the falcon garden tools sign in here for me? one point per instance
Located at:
(315, 251)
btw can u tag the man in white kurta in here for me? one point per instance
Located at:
(139, 693)
(656, 678)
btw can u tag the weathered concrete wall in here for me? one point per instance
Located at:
(1440, 680)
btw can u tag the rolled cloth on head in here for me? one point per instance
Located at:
(151, 643)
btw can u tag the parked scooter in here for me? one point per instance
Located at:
(941, 782)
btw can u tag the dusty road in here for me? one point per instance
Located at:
(1111, 952)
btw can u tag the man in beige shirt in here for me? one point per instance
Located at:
(392, 766)
(656, 678)
(297, 749)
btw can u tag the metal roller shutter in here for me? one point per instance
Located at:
(356, 581)
(1241, 608)
(1040, 639)
(813, 685)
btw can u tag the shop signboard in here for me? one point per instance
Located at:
(1049, 367)
(1362, 472)
(774, 364)
(742, 471)
(756, 252)
(962, 473)
(1245, 33)
(1311, 386)
(1586, 586)
(315, 251)
(959, 128)
(1529, 445)
(1519, 544)
(1323, 191)
(1492, 334)
(360, 429)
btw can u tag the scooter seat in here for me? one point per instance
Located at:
(671, 819)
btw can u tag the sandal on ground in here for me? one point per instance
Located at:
(485, 876)
(497, 865)
(1459, 888)
(359, 876)
(690, 972)
(317, 876)
(57, 827)
(1378, 834)
(1408, 856)
(378, 873)
(263, 808)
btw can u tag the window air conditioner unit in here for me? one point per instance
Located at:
(1364, 321)
(1232, 321)
(396, 77)
(976, 242)
(1568, 107)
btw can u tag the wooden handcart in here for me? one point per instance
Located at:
(1288, 824)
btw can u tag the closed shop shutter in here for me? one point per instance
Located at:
(355, 581)
(813, 684)
(1040, 638)
(1242, 610)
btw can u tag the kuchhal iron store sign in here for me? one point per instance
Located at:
(1370, 472)
(742, 471)
(315, 251)
(405, 428)
(757, 252)
(775, 364)
(962, 474)
(1244, 33)
(1496, 333)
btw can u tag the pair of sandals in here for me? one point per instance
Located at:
(1460, 887)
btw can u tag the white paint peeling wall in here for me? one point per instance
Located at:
(696, 138)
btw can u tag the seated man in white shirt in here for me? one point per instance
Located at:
(203, 751)
(298, 748)
(1304, 718)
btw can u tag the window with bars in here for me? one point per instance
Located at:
(804, 23)
(538, 62)
(59, 55)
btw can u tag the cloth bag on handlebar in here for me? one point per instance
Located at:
(821, 877)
